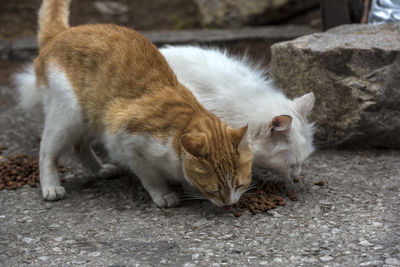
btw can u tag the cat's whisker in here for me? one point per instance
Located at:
(193, 198)
(192, 195)
(251, 187)
(196, 196)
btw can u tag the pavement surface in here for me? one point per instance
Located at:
(353, 220)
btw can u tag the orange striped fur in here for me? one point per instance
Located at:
(123, 83)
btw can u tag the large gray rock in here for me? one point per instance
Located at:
(354, 71)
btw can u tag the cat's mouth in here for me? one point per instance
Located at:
(228, 207)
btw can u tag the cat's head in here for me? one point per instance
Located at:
(286, 141)
(217, 161)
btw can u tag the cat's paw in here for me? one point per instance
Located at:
(53, 193)
(167, 201)
(108, 171)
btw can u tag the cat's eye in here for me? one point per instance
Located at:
(238, 187)
(200, 169)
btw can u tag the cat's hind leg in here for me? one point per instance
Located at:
(90, 160)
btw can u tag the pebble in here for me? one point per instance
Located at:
(309, 260)
(28, 240)
(42, 258)
(365, 243)
(392, 261)
(195, 256)
(54, 225)
(201, 222)
(263, 262)
(274, 214)
(374, 263)
(377, 224)
(326, 258)
(94, 254)
(58, 238)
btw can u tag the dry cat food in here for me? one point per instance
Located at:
(320, 183)
(18, 170)
(264, 197)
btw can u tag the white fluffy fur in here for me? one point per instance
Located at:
(239, 93)
(25, 82)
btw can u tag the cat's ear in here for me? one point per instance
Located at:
(239, 136)
(304, 104)
(195, 144)
(280, 124)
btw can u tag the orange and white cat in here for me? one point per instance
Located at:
(111, 82)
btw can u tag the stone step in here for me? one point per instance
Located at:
(253, 41)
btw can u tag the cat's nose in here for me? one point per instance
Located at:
(228, 207)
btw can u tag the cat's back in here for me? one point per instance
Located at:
(105, 65)
(122, 55)
(208, 71)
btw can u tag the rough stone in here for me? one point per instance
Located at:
(392, 262)
(354, 72)
(255, 42)
(228, 13)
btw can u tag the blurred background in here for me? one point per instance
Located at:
(353, 69)
(18, 17)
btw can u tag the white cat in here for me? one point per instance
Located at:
(238, 92)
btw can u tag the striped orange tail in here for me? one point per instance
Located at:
(53, 19)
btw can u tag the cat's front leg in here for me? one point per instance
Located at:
(53, 143)
(155, 183)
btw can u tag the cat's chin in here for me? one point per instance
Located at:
(228, 208)
(269, 176)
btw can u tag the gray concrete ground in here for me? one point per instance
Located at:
(351, 221)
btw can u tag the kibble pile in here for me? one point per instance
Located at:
(21, 169)
(264, 197)
(17, 171)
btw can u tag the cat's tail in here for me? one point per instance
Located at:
(29, 95)
(53, 19)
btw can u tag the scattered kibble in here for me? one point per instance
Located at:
(264, 197)
(237, 213)
(292, 196)
(320, 183)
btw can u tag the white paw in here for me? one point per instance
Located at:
(108, 171)
(53, 193)
(167, 201)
